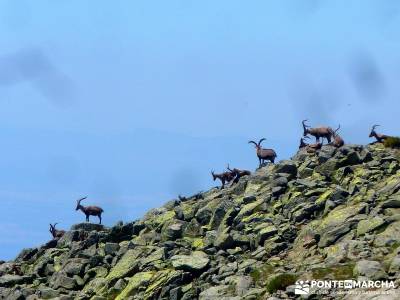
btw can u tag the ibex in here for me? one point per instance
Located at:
(310, 148)
(337, 139)
(238, 173)
(318, 132)
(225, 177)
(379, 137)
(89, 210)
(302, 144)
(263, 154)
(55, 232)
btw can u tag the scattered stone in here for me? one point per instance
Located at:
(369, 269)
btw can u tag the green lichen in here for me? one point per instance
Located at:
(260, 275)
(280, 282)
(339, 272)
(139, 280)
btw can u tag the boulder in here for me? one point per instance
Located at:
(60, 280)
(286, 166)
(370, 269)
(172, 231)
(88, 227)
(265, 233)
(224, 241)
(196, 262)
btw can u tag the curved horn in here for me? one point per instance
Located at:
(79, 200)
(304, 123)
(55, 225)
(337, 128)
(260, 141)
(373, 127)
(253, 142)
(229, 169)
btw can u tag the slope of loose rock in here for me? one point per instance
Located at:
(334, 215)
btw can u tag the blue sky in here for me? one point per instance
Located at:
(134, 102)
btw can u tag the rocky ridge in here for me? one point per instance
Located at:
(330, 215)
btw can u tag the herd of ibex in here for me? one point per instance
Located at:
(320, 133)
(233, 175)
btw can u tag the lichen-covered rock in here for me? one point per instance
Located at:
(369, 225)
(136, 282)
(195, 262)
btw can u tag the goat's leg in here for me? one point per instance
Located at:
(328, 138)
(100, 218)
(87, 218)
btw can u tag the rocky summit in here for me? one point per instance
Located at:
(330, 215)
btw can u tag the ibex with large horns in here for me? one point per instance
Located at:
(89, 210)
(380, 138)
(337, 139)
(55, 232)
(318, 132)
(262, 153)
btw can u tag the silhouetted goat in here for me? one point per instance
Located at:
(318, 132)
(55, 232)
(262, 153)
(224, 177)
(89, 210)
(379, 137)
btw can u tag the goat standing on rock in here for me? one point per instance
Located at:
(318, 132)
(55, 232)
(89, 210)
(263, 154)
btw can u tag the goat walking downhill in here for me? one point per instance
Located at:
(263, 153)
(89, 210)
